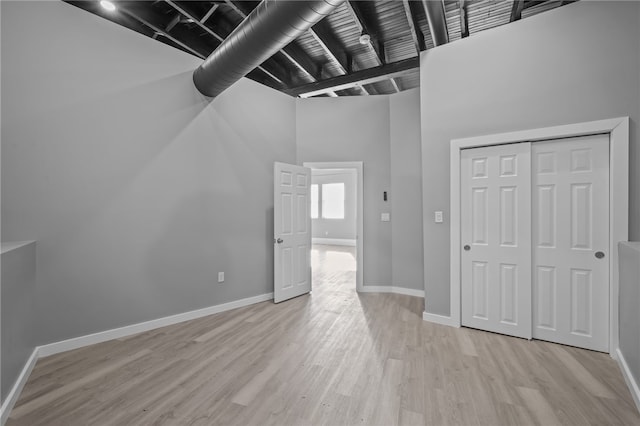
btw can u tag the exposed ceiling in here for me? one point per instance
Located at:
(330, 59)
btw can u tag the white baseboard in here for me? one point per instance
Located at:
(13, 395)
(116, 333)
(103, 336)
(334, 241)
(392, 289)
(628, 377)
(440, 319)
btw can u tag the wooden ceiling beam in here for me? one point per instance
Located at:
(236, 9)
(322, 35)
(307, 70)
(464, 19)
(174, 21)
(437, 20)
(363, 90)
(366, 76)
(200, 23)
(209, 13)
(377, 47)
(416, 34)
(516, 10)
(394, 83)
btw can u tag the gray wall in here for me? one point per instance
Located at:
(629, 255)
(18, 308)
(354, 129)
(137, 188)
(577, 63)
(406, 190)
(337, 228)
(384, 133)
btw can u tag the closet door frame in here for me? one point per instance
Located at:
(618, 131)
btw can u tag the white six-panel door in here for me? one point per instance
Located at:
(292, 231)
(535, 234)
(496, 238)
(571, 227)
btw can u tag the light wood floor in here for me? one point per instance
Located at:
(330, 358)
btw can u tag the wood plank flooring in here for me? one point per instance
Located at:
(333, 357)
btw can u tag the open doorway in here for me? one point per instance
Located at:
(336, 224)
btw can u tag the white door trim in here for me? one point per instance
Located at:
(358, 166)
(618, 130)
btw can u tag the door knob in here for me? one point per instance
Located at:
(599, 254)
(467, 247)
(279, 241)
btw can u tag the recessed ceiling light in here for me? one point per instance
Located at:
(108, 5)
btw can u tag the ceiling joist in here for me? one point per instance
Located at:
(209, 13)
(366, 76)
(416, 34)
(235, 8)
(174, 21)
(434, 9)
(464, 19)
(330, 46)
(516, 10)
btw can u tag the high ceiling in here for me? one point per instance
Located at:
(331, 58)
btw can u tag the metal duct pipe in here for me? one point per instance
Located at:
(270, 27)
(437, 20)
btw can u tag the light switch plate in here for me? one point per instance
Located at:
(385, 217)
(438, 217)
(220, 277)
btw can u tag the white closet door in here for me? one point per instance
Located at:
(571, 241)
(496, 238)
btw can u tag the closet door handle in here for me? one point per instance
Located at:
(467, 247)
(599, 254)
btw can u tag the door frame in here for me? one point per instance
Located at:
(618, 131)
(358, 166)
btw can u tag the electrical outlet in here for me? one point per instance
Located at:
(220, 277)
(385, 217)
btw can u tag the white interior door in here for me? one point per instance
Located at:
(292, 231)
(496, 238)
(571, 240)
